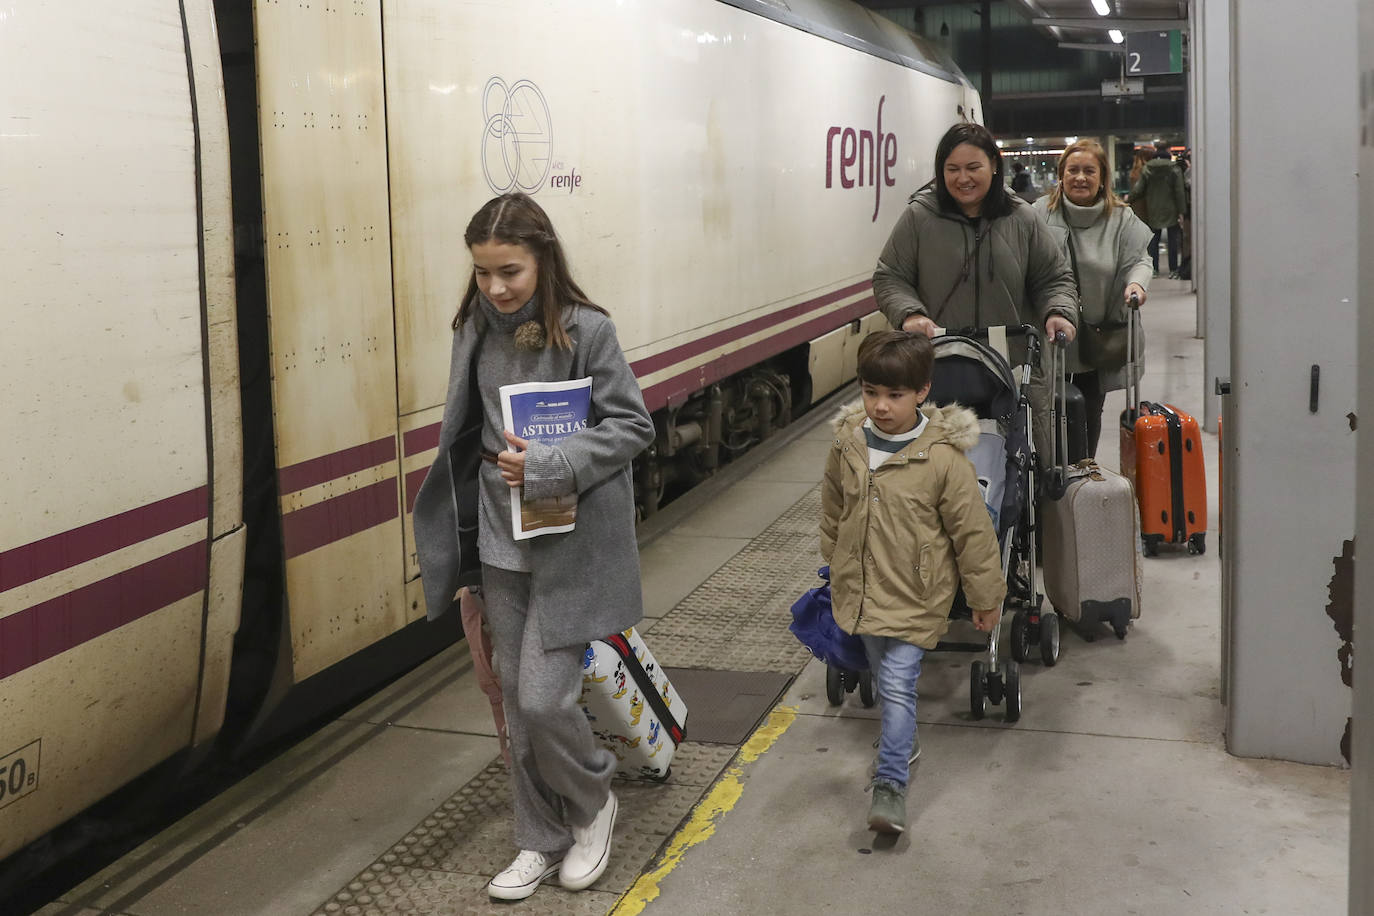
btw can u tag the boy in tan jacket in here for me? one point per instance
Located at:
(903, 524)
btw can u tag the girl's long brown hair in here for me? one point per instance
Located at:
(515, 219)
(1094, 149)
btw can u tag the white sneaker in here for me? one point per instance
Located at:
(523, 876)
(591, 849)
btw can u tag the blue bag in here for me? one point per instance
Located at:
(813, 623)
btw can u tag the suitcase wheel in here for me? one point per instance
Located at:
(978, 698)
(1150, 544)
(667, 774)
(1197, 544)
(1120, 630)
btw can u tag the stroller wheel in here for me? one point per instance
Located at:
(978, 699)
(866, 688)
(1013, 676)
(1020, 636)
(834, 686)
(1049, 638)
(995, 685)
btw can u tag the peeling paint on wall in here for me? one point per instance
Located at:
(1341, 609)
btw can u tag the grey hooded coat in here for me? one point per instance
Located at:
(585, 582)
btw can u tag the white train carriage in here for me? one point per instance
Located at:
(723, 172)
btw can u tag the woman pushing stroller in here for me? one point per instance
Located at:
(967, 254)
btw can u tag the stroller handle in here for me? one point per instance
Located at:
(1015, 330)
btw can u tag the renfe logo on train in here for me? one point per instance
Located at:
(863, 154)
(517, 142)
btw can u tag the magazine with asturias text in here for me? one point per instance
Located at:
(544, 412)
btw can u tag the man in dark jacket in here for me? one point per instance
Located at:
(1160, 185)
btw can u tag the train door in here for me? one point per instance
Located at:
(120, 534)
(322, 135)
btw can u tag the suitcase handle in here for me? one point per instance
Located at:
(1132, 378)
(1059, 423)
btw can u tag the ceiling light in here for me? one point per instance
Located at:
(1102, 8)
(1030, 139)
(1000, 144)
(1070, 140)
(1116, 36)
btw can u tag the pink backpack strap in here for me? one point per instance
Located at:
(479, 644)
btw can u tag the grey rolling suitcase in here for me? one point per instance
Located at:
(1092, 529)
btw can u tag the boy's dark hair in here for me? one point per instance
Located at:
(896, 359)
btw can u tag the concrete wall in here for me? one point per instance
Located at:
(1362, 778)
(1290, 512)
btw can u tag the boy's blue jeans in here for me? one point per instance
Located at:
(896, 666)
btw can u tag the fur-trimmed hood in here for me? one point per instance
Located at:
(953, 423)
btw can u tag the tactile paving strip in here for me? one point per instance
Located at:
(735, 620)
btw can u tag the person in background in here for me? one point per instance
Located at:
(1160, 189)
(1108, 251)
(967, 254)
(524, 319)
(903, 524)
(1021, 183)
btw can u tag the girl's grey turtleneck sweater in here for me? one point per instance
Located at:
(499, 363)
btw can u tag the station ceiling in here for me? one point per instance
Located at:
(1051, 62)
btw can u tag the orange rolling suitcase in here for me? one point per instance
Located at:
(1161, 453)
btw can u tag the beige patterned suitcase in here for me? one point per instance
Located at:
(1092, 566)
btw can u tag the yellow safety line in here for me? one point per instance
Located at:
(702, 823)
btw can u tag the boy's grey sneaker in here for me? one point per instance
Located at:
(887, 814)
(915, 753)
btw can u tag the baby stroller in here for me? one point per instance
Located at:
(971, 371)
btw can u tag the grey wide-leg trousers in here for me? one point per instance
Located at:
(560, 775)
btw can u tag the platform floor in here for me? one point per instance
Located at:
(1113, 794)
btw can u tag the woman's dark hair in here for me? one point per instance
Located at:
(515, 219)
(896, 359)
(998, 202)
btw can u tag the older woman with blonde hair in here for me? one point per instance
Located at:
(1107, 246)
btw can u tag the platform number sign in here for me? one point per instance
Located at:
(1154, 52)
(19, 773)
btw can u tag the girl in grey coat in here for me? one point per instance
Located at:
(1108, 249)
(524, 319)
(966, 254)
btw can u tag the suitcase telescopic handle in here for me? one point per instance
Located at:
(1132, 377)
(1059, 404)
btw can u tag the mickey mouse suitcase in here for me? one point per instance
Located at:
(632, 707)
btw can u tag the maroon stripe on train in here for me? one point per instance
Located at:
(651, 364)
(339, 464)
(413, 481)
(421, 440)
(60, 551)
(339, 517)
(675, 390)
(44, 630)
